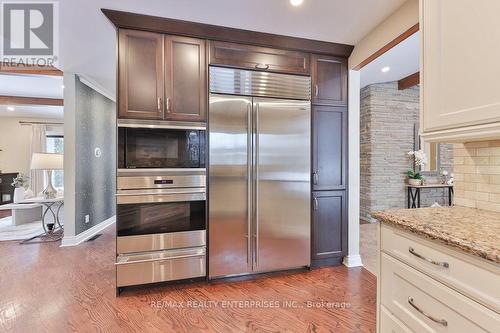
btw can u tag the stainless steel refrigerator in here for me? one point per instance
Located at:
(259, 172)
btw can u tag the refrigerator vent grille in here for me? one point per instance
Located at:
(258, 83)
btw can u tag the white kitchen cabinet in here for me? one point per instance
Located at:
(460, 70)
(427, 287)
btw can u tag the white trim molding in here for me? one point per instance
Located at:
(352, 261)
(97, 87)
(354, 171)
(89, 233)
(465, 134)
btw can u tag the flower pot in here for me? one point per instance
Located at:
(415, 182)
(19, 194)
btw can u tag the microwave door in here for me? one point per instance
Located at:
(161, 148)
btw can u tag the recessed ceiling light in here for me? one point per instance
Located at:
(62, 86)
(10, 108)
(385, 69)
(296, 2)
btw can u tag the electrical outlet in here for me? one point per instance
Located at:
(87, 218)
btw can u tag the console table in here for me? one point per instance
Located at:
(414, 193)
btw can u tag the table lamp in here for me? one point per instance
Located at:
(47, 162)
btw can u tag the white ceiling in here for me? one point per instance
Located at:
(88, 39)
(31, 86)
(33, 111)
(403, 59)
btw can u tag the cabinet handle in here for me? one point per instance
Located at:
(437, 263)
(439, 321)
(316, 90)
(159, 104)
(262, 66)
(315, 178)
(315, 203)
(168, 104)
(249, 181)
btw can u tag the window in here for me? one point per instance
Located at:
(55, 144)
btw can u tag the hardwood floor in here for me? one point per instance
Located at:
(5, 213)
(45, 288)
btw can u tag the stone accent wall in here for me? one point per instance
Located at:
(477, 175)
(388, 117)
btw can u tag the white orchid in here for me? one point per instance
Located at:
(419, 157)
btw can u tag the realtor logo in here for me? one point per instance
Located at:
(29, 32)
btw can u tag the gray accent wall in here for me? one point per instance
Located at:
(388, 116)
(95, 177)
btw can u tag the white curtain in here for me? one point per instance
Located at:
(38, 145)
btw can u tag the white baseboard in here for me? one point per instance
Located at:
(352, 261)
(89, 233)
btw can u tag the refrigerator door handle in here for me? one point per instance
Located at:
(256, 192)
(249, 182)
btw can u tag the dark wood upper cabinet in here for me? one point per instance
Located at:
(329, 80)
(329, 148)
(140, 77)
(261, 58)
(185, 79)
(329, 227)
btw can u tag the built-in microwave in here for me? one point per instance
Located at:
(148, 145)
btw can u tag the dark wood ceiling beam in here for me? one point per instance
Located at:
(20, 100)
(32, 70)
(388, 46)
(409, 81)
(128, 20)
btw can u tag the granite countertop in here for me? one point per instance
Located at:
(474, 231)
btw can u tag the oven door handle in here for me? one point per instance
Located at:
(155, 194)
(160, 259)
(142, 198)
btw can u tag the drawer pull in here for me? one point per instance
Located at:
(439, 321)
(437, 263)
(262, 66)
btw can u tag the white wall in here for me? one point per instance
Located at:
(398, 22)
(401, 20)
(15, 141)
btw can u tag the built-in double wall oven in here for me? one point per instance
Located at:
(161, 202)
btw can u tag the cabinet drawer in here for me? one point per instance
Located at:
(160, 266)
(261, 58)
(425, 305)
(475, 281)
(389, 323)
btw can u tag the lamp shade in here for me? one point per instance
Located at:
(46, 161)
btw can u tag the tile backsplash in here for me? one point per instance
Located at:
(477, 175)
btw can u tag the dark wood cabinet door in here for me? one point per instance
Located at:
(329, 152)
(256, 57)
(329, 80)
(140, 75)
(329, 227)
(185, 79)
